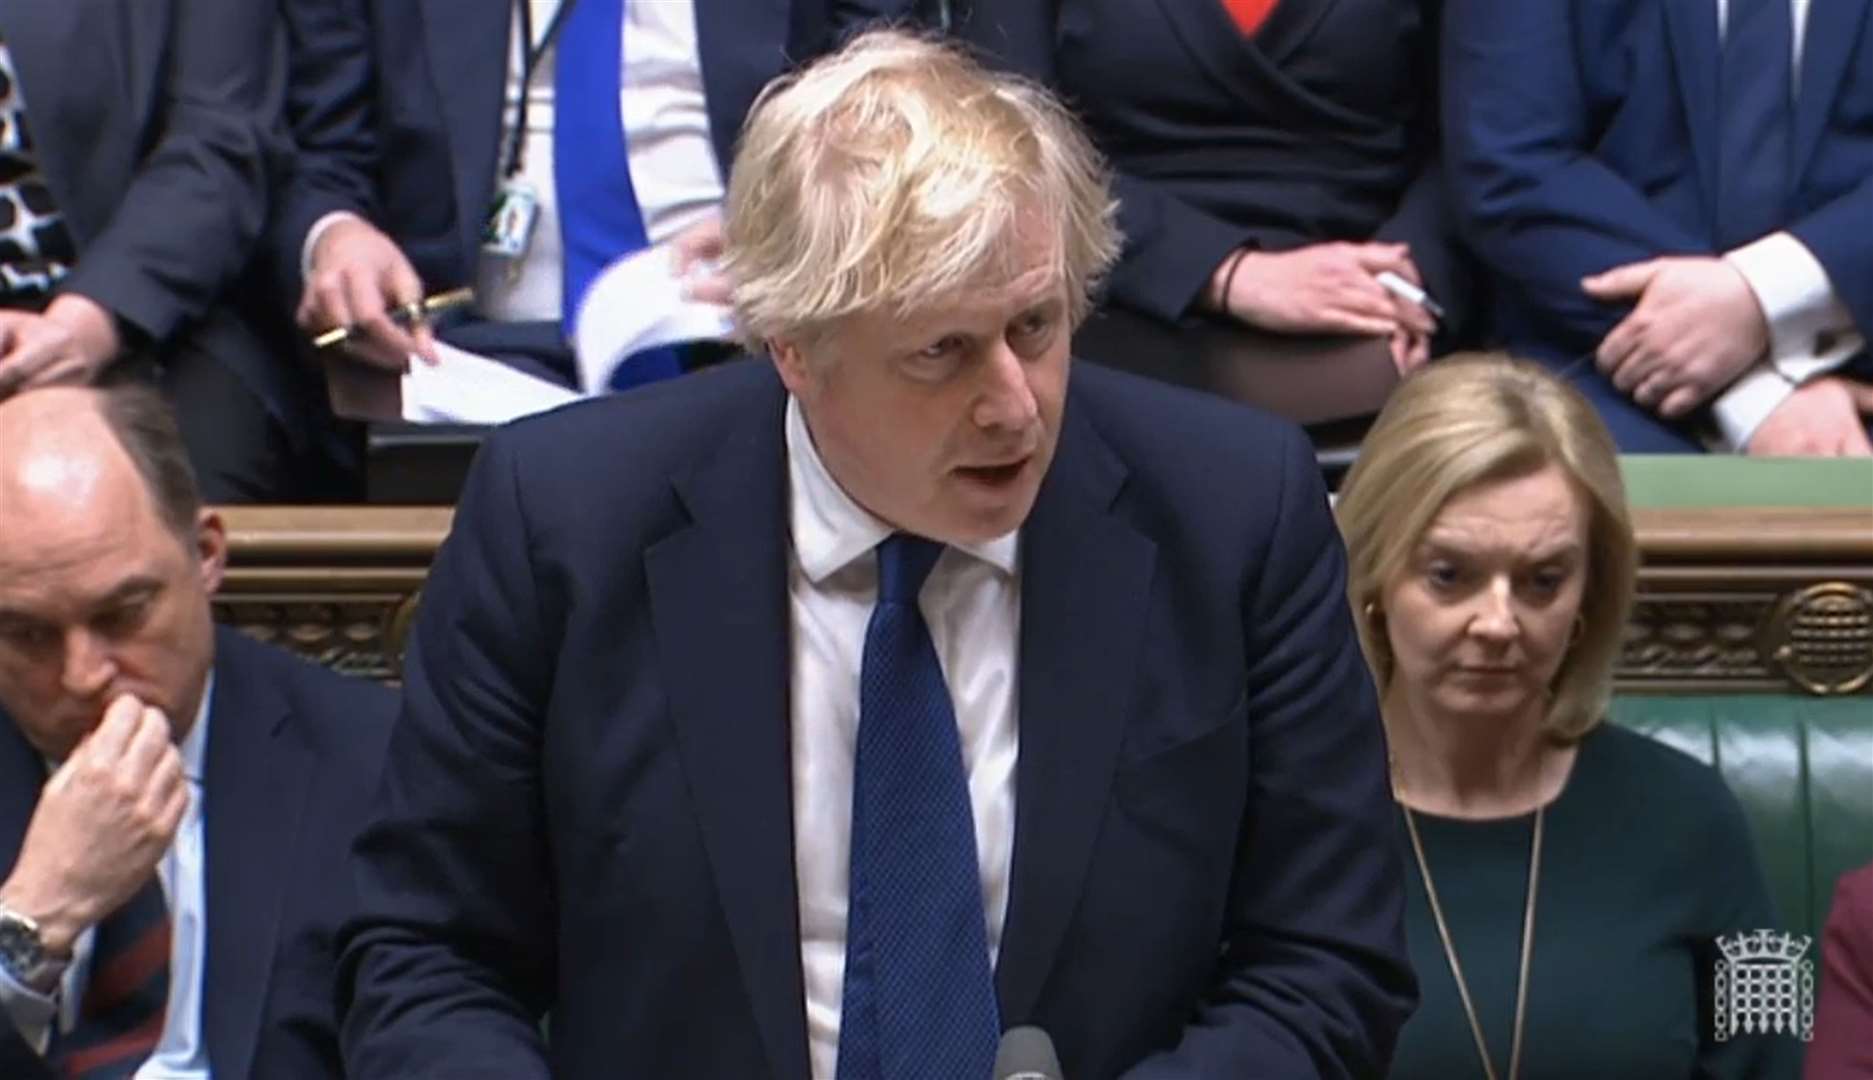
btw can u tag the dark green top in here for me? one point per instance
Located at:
(1646, 860)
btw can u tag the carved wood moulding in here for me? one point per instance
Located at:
(1728, 600)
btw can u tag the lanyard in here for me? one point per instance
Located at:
(530, 58)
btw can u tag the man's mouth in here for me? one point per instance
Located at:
(998, 475)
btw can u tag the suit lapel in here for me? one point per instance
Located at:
(718, 592)
(468, 56)
(1085, 578)
(1834, 31)
(22, 774)
(1692, 27)
(1243, 69)
(255, 781)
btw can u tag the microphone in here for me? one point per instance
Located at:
(1026, 1053)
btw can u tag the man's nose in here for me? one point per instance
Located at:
(1007, 400)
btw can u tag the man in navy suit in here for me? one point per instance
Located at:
(1676, 196)
(410, 132)
(829, 716)
(176, 801)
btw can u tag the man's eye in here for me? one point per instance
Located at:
(30, 639)
(123, 619)
(1033, 323)
(941, 348)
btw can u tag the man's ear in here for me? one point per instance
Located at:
(211, 549)
(790, 362)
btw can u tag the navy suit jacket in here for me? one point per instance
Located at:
(1582, 134)
(587, 805)
(292, 751)
(1320, 127)
(395, 107)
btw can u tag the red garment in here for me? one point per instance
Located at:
(1843, 1024)
(1249, 14)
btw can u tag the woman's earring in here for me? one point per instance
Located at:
(1579, 631)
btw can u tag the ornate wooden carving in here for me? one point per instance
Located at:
(1728, 599)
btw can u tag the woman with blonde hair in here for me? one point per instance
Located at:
(1571, 877)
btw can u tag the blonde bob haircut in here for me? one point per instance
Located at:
(896, 174)
(1463, 421)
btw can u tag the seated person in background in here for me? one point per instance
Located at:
(1273, 158)
(518, 147)
(899, 692)
(1571, 877)
(1843, 1022)
(1676, 200)
(176, 800)
(135, 148)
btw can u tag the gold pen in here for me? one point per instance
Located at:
(405, 315)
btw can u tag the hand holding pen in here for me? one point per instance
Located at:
(363, 295)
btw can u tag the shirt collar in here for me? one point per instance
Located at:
(194, 747)
(830, 530)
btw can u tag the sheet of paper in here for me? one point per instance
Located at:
(637, 303)
(468, 388)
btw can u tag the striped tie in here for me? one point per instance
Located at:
(121, 1019)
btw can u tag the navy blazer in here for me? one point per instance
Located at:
(395, 107)
(1582, 134)
(292, 751)
(587, 805)
(1320, 127)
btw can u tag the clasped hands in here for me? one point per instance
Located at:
(1695, 326)
(1330, 288)
(70, 342)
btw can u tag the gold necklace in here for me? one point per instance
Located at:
(1450, 950)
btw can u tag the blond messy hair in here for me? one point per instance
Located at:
(895, 174)
(1463, 421)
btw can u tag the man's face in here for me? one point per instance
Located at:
(943, 423)
(97, 599)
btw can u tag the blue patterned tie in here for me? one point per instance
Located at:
(599, 219)
(919, 996)
(1758, 102)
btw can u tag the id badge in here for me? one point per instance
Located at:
(509, 225)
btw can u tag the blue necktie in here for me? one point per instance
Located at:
(599, 219)
(919, 997)
(1757, 103)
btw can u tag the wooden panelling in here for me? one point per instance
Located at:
(1729, 599)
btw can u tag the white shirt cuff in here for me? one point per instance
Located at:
(1810, 330)
(1748, 401)
(32, 1013)
(318, 230)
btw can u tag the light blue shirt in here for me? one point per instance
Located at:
(180, 1053)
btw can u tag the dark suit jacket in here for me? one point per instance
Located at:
(292, 750)
(1582, 134)
(587, 803)
(396, 111)
(1318, 128)
(1843, 1025)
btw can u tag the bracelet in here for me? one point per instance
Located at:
(1229, 279)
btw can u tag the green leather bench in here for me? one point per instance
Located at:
(1800, 763)
(1801, 767)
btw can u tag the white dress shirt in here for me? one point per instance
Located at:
(1811, 331)
(669, 150)
(972, 604)
(180, 1053)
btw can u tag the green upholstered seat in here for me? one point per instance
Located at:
(1802, 768)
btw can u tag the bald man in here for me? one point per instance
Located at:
(176, 801)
